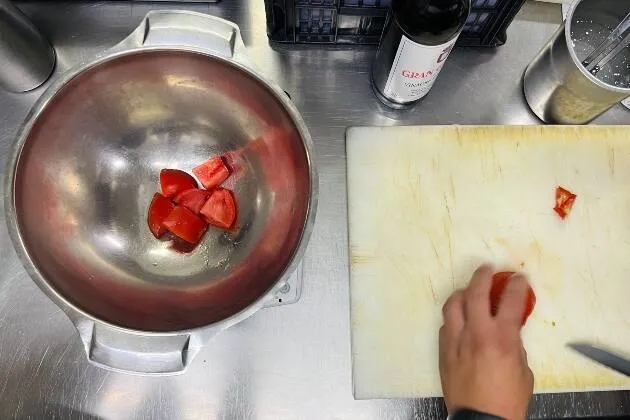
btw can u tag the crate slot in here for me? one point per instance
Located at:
(366, 3)
(362, 21)
(485, 3)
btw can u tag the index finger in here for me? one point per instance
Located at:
(512, 302)
(477, 299)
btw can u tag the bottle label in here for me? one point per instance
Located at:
(415, 69)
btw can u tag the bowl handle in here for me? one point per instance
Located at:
(136, 352)
(189, 30)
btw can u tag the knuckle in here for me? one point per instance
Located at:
(451, 303)
(473, 295)
(444, 335)
(517, 285)
(484, 339)
(480, 339)
(484, 269)
(448, 305)
(507, 347)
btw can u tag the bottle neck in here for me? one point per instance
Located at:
(431, 22)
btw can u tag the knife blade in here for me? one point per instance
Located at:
(602, 356)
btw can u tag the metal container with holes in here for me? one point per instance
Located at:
(85, 166)
(557, 87)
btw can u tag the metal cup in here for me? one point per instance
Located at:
(26, 57)
(557, 87)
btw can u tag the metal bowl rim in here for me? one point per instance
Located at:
(50, 93)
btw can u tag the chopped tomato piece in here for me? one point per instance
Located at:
(174, 181)
(193, 199)
(212, 172)
(185, 224)
(159, 209)
(499, 281)
(564, 202)
(220, 209)
(235, 162)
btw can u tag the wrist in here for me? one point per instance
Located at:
(468, 414)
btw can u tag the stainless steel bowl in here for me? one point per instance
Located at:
(86, 166)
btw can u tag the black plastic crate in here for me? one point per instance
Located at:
(362, 21)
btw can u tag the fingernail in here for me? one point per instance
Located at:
(519, 278)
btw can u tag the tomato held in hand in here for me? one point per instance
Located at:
(499, 281)
(174, 181)
(185, 224)
(220, 209)
(193, 199)
(159, 209)
(212, 172)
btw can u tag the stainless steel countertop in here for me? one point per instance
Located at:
(285, 362)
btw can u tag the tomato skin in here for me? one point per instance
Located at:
(159, 209)
(499, 282)
(212, 172)
(564, 202)
(220, 209)
(174, 181)
(193, 199)
(186, 225)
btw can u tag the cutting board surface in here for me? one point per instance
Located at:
(427, 205)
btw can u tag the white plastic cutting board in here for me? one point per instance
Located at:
(427, 205)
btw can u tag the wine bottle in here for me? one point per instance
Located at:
(417, 39)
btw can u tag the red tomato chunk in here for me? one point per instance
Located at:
(220, 209)
(159, 209)
(193, 199)
(174, 181)
(212, 172)
(185, 225)
(499, 282)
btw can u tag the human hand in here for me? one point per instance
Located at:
(483, 365)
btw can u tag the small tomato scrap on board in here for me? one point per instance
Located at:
(564, 202)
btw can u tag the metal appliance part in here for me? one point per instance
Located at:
(557, 87)
(26, 56)
(177, 90)
(602, 356)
